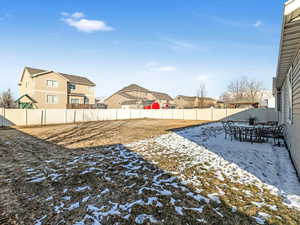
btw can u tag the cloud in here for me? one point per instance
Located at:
(258, 23)
(165, 68)
(202, 78)
(152, 64)
(77, 15)
(78, 21)
(155, 66)
(180, 44)
(235, 23)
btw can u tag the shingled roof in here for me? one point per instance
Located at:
(134, 87)
(160, 95)
(193, 98)
(71, 78)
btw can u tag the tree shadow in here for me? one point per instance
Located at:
(45, 183)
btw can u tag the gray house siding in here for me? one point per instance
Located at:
(292, 121)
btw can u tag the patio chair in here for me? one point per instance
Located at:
(279, 133)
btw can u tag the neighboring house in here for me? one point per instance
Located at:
(242, 105)
(47, 89)
(135, 96)
(286, 85)
(190, 102)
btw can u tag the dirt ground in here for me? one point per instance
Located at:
(87, 174)
(101, 133)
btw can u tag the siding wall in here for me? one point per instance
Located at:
(293, 132)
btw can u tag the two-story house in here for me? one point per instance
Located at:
(135, 96)
(48, 89)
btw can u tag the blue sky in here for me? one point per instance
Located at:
(168, 46)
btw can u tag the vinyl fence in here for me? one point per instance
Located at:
(30, 117)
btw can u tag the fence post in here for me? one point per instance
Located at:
(212, 113)
(74, 115)
(66, 116)
(26, 119)
(42, 112)
(3, 116)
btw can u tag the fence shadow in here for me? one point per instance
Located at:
(45, 183)
(4, 122)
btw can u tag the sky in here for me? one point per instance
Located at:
(170, 46)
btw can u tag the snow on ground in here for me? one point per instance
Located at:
(189, 176)
(261, 164)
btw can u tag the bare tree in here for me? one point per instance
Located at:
(6, 99)
(253, 90)
(243, 89)
(201, 93)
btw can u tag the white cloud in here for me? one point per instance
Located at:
(202, 78)
(236, 23)
(77, 15)
(165, 68)
(180, 44)
(152, 64)
(77, 20)
(155, 66)
(258, 23)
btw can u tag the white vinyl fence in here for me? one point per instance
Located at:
(30, 117)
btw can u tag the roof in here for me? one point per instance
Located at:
(71, 78)
(160, 95)
(26, 95)
(134, 87)
(137, 101)
(127, 95)
(193, 98)
(290, 40)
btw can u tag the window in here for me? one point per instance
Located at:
(86, 100)
(52, 83)
(74, 101)
(27, 84)
(52, 99)
(91, 89)
(72, 86)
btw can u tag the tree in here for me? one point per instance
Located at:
(254, 88)
(201, 93)
(6, 99)
(243, 89)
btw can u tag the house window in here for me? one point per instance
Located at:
(52, 83)
(72, 86)
(27, 84)
(74, 101)
(86, 100)
(52, 99)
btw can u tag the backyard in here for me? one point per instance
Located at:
(143, 172)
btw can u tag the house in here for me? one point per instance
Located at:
(286, 84)
(135, 96)
(48, 89)
(190, 102)
(242, 104)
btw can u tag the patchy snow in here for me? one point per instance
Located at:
(198, 150)
(262, 164)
